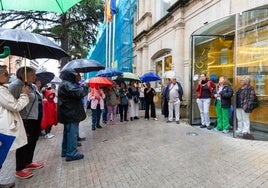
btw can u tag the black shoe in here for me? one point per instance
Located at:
(121, 120)
(131, 119)
(93, 129)
(210, 127)
(81, 139)
(79, 144)
(203, 126)
(126, 120)
(76, 157)
(98, 126)
(136, 117)
(9, 185)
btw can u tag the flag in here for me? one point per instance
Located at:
(109, 10)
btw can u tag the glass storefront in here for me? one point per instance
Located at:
(234, 47)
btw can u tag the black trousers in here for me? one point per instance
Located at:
(147, 107)
(123, 111)
(24, 155)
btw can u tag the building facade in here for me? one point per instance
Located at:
(216, 37)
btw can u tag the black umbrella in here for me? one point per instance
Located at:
(83, 65)
(30, 45)
(44, 76)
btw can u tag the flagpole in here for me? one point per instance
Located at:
(113, 44)
(107, 23)
(110, 43)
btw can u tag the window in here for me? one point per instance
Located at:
(161, 8)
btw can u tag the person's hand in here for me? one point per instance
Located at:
(26, 90)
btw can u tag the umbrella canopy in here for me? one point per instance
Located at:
(57, 6)
(128, 76)
(45, 77)
(6, 142)
(99, 81)
(109, 72)
(56, 80)
(30, 45)
(150, 77)
(83, 65)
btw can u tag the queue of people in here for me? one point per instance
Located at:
(37, 108)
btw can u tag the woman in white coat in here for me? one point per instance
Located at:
(11, 122)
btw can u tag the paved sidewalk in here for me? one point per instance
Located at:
(148, 154)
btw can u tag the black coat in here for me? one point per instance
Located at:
(225, 95)
(70, 95)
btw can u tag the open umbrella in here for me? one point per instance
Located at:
(6, 142)
(150, 77)
(99, 81)
(56, 80)
(30, 45)
(109, 72)
(83, 65)
(57, 6)
(128, 76)
(44, 76)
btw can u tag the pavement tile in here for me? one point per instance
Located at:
(145, 154)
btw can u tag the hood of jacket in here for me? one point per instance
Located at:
(50, 95)
(68, 75)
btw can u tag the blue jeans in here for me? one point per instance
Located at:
(96, 115)
(104, 113)
(69, 140)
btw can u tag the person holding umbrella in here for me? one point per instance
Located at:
(149, 94)
(96, 96)
(24, 155)
(9, 105)
(71, 112)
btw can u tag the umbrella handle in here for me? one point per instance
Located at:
(6, 52)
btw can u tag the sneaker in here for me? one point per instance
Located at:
(146, 119)
(169, 121)
(76, 157)
(49, 135)
(9, 185)
(155, 119)
(35, 165)
(225, 131)
(23, 174)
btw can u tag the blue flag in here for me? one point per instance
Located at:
(6, 142)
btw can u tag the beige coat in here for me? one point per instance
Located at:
(10, 119)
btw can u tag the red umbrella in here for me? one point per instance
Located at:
(100, 82)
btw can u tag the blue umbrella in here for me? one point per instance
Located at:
(6, 142)
(109, 72)
(150, 77)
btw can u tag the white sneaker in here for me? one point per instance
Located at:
(225, 131)
(155, 119)
(49, 135)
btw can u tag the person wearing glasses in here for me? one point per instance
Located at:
(11, 122)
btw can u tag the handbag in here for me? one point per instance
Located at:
(136, 99)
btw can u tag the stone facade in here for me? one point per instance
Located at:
(171, 34)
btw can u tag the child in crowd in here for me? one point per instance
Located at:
(49, 113)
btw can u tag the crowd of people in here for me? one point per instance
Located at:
(32, 108)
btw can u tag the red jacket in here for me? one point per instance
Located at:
(49, 110)
(211, 87)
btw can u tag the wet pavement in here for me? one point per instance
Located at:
(145, 154)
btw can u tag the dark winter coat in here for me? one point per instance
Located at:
(225, 95)
(70, 95)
